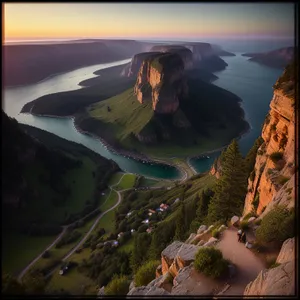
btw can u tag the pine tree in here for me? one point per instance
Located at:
(180, 224)
(231, 187)
(251, 155)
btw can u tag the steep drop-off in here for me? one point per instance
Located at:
(273, 178)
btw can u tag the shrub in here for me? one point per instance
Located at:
(276, 226)
(215, 233)
(255, 202)
(252, 175)
(258, 222)
(276, 156)
(270, 171)
(46, 254)
(260, 152)
(210, 262)
(146, 273)
(244, 225)
(282, 179)
(119, 285)
(249, 215)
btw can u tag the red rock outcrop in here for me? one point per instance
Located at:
(161, 80)
(274, 178)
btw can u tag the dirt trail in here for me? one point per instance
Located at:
(248, 265)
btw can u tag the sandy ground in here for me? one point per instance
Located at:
(247, 264)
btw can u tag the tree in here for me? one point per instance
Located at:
(34, 283)
(119, 285)
(146, 273)
(251, 155)
(140, 248)
(180, 223)
(231, 187)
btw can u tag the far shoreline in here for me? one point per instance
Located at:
(143, 157)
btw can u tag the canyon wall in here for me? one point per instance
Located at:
(273, 178)
(161, 81)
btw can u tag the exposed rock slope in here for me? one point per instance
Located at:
(274, 175)
(280, 280)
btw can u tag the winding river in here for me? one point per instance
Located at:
(250, 81)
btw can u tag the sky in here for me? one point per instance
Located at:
(30, 21)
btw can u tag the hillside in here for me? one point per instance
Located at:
(46, 182)
(27, 64)
(276, 59)
(182, 114)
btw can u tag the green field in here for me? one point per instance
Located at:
(115, 178)
(81, 183)
(15, 251)
(127, 182)
(215, 119)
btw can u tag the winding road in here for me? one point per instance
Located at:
(25, 270)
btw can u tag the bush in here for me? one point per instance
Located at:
(210, 262)
(250, 215)
(244, 225)
(119, 285)
(146, 273)
(276, 156)
(282, 179)
(252, 175)
(215, 233)
(276, 226)
(255, 202)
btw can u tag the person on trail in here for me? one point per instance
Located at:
(239, 234)
(243, 238)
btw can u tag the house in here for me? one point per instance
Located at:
(115, 243)
(145, 221)
(150, 214)
(149, 230)
(120, 234)
(151, 211)
(177, 199)
(132, 230)
(102, 194)
(129, 214)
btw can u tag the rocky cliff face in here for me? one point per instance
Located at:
(275, 162)
(185, 53)
(279, 280)
(161, 80)
(137, 61)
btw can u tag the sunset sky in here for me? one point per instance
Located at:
(148, 20)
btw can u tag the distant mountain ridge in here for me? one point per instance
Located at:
(276, 59)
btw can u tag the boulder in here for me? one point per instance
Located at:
(132, 285)
(222, 228)
(252, 219)
(101, 292)
(197, 238)
(191, 237)
(186, 254)
(210, 228)
(158, 271)
(211, 242)
(201, 243)
(279, 281)
(146, 290)
(201, 229)
(234, 220)
(287, 252)
(168, 255)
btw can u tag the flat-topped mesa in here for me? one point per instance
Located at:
(161, 80)
(200, 51)
(185, 53)
(137, 61)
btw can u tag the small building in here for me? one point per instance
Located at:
(132, 230)
(128, 214)
(150, 214)
(151, 211)
(149, 230)
(115, 243)
(120, 234)
(145, 221)
(176, 200)
(102, 194)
